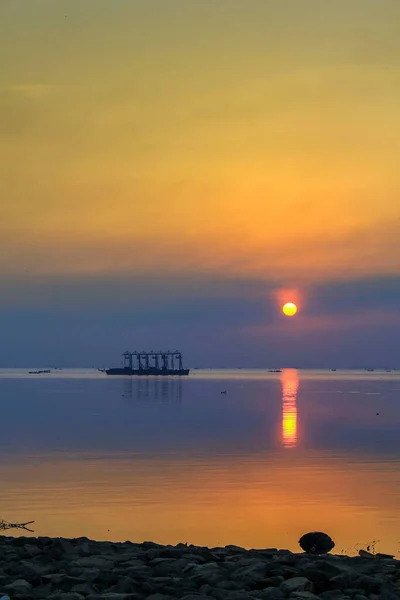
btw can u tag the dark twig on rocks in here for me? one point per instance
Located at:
(4, 525)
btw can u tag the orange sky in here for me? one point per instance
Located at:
(250, 138)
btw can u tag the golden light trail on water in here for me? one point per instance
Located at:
(290, 385)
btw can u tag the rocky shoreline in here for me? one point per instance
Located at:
(82, 569)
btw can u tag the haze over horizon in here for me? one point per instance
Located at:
(171, 172)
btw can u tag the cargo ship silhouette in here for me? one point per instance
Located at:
(150, 363)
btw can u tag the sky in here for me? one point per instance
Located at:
(171, 172)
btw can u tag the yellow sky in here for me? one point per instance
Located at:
(251, 137)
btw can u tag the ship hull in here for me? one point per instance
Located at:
(148, 372)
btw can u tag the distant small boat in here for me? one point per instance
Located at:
(275, 371)
(369, 369)
(38, 372)
(333, 369)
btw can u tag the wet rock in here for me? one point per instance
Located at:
(316, 542)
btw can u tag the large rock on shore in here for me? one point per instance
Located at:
(316, 542)
(81, 569)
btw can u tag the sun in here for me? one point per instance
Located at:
(289, 309)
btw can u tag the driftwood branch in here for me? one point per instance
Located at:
(4, 525)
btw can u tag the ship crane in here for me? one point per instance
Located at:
(139, 363)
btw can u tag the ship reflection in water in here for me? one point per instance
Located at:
(153, 389)
(290, 385)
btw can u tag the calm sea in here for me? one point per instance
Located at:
(179, 460)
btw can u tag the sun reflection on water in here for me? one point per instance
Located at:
(290, 385)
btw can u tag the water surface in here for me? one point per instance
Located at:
(175, 460)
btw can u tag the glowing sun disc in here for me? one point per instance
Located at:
(289, 309)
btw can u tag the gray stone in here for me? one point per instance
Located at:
(327, 566)
(283, 570)
(124, 585)
(250, 573)
(331, 595)
(304, 596)
(195, 597)
(160, 597)
(218, 593)
(353, 591)
(243, 595)
(273, 581)
(139, 573)
(32, 550)
(209, 573)
(297, 584)
(110, 596)
(29, 570)
(271, 593)
(356, 580)
(19, 586)
(42, 591)
(120, 557)
(228, 585)
(89, 575)
(390, 594)
(93, 561)
(85, 588)
(66, 547)
(65, 596)
(235, 549)
(169, 566)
